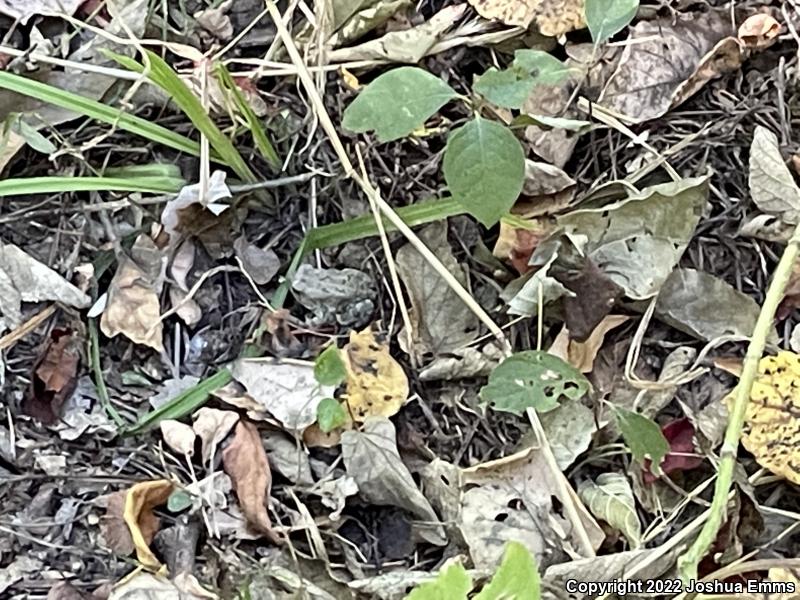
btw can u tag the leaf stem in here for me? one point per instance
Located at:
(688, 562)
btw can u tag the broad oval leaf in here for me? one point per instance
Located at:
(532, 379)
(330, 415)
(772, 186)
(642, 436)
(397, 103)
(484, 167)
(610, 498)
(329, 368)
(607, 17)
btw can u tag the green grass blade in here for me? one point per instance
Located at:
(99, 111)
(184, 403)
(265, 147)
(20, 186)
(167, 79)
(148, 170)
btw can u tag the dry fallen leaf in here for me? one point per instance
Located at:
(147, 586)
(552, 17)
(771, 431)
(581, 355)
(30, 8)
(246, 462)
(25, 279)
(54, 377)
(178, 436)
(115, 532)
(133, 307)
(190, 214)
(212, 426)
(377, 386)
(759, 31)
(140, 501)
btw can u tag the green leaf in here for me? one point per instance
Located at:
(546, 122)
(610, 498)
(608, 17)
(484, 167)
(18, 186)
(516, 577)
(329, 367)
(512, 86)
(32, 137)
(508, 88)
(330, 415)
(532, 379)
(397, 103)
(545, 68)
(642, 435)
(452, 583)
(178, 501)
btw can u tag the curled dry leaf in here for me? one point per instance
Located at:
(552, 17)
(188, 213)
(759, 31)
(25, 279)
(133, 307)
(178, 436)
(212, 426)
(246, 462)
(516, 244)
(376, 384)
(140, 501)
(581, 355)
(54, 377)
(610, 498)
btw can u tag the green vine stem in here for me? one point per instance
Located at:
(687, 564)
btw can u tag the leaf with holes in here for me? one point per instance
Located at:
(397, 103)
(608, 17)
(484, 167)
(532, 379)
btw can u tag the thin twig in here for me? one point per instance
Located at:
(688, 562)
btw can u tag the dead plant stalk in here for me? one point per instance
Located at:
(687, 563)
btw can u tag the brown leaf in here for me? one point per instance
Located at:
(516, 244)
(212, 426)
(140, 501)
(246, 462)
(581, 355)
(133, 307)
(54, 377)
(759, 31)
(552, 17)
(115, 532)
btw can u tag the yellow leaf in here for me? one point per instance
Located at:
(772, 423)
(552, 17)
(376, 383)
(140, 501)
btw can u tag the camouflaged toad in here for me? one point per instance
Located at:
(343, 296)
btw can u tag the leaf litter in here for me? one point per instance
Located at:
(278, 379)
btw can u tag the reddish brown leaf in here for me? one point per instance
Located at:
(246, 462)
(680, 435)
(54, 377)
(115, 532)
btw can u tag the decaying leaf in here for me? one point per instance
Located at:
(759, 31)
(667, 60)
(513, 499)
(772, 186)
(140, 501)
(552, 17)
(705, 306)
(440, 320)
(54, 377)
(288, 390)
(25, 279)
(246, 462)
(772, 429)
(610, 498)
(636, 242)
(190, 214)
(147, 586)
(372, 460)
(376, 383)
(260, 263)
(133, 307)
(467, 362)
(517, 244)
